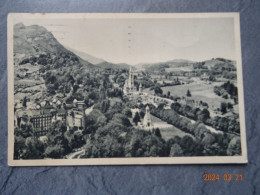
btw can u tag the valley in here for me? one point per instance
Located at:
(67, 100)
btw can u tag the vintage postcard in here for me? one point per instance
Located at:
(117, 89)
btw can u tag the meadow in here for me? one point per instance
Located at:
(200, 91)
(168, 131)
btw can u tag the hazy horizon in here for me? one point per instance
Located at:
(150, 40)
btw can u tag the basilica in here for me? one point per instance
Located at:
(129, 87)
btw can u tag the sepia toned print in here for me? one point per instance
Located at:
(93, 89)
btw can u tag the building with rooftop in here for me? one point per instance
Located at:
(147, 122)
(76, 116)
(41, 118)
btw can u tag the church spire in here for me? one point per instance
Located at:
(131, 79)
(147, 118)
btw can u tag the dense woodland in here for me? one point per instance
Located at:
(227, 90)
(228, 124)
(110, 133)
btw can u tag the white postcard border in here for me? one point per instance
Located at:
(125, 161)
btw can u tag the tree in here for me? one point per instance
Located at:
(168, 94)
(54, 151)
(161, 106)
(212, 78)
(195, 112)
(136, 118)
(105, 106)
(77, 140)
(158, 90)
(190, 147)
(127, 112)
(208, 139)
(175, 106)
(121, 119)
(188, 94)
(19, 145)
(26, 130)
(33, 149)
(203, 115)
(50, 78)
(142, 114)
(223, 108)
(157, 132)
(234, 147)
(229, 105)
(75, 88)
(59, 126)
(50, 89)
(225, 96)
(25, 102)
(176, 150)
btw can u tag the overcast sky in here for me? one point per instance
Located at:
(136, 41)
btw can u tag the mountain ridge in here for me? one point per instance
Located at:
(85, 56)
(34, 44)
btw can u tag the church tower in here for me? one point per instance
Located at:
(147, 122)
(131, 80)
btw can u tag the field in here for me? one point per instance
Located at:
(28, 82)
(168, 132)
(186, 69)
(19, 96)
(200, 91)
(172, 132)
(27, 68)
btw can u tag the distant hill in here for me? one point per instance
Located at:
(215, 61)
(217, 64)
(113, 66)
(92, 59)
(36, 45)
(186, 65)
(99, 62)
(168, 64)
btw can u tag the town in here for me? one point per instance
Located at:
(67, 107)
(74, 114)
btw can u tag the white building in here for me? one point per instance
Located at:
(147, 122)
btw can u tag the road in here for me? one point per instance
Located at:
(76, 155)
(89, 110)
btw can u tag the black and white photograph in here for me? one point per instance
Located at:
(107, 89)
